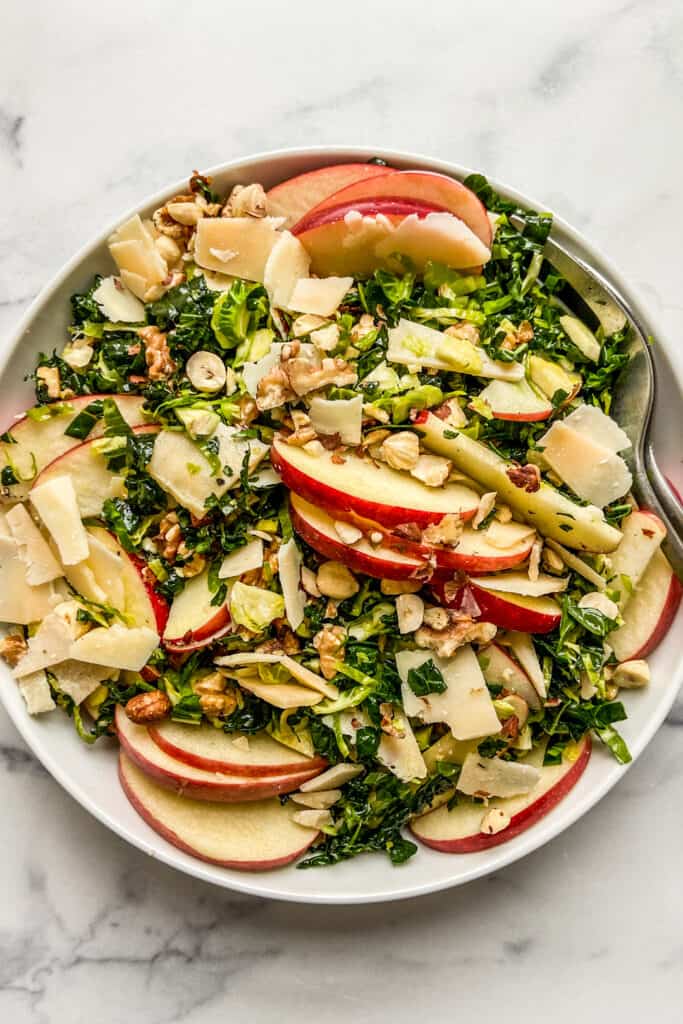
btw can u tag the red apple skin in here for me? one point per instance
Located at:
(521, 821)
(337, 503)
(187, 646)
(501, 610)
(296, 196)
(217, 626)
(170, 836)
(424, 186)
(359, 561)
(79, 403)
(230, 789)
(519, 417)
(210, 764)
(160, 605)
(318, 217)
(668, 614)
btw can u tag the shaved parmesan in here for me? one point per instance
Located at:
(116, 647)
(135, 254)
(593, 472)
(253, 373)
(117, 303)
(49, 645)
(595, 424)
(401, 754)
(247, 241)
(244, 559)
(507, 535)
(332, 778)
(490, 776)
(289, 570)
(288, 261)
(266, 477)
(281, 695)
(56, 503)
(465, 706)
(519, 583)
(343, 417)
(319, 296)
(78, 680)
(35, 690)
(41, 564)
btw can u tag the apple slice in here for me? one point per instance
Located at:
(292, 199)
(507, 611)
(501, 669)
(643, 533)
(459, 830)
(38, 442)
(187, 780)
(317, 529)
(193, 620)
(374, 492)
(356, 239)
(649, 613)
(519, 583)
(213, 750)
(424, 186)
(92, 481)
(576, 526)
(517, 401)
(252, 837)
(550, 377)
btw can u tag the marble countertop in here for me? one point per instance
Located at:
(101, 104)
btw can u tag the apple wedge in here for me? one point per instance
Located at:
(317, 528)
(194, 621)
(643, 533)
(251, 837)
(379, 493)
(92, 481)
(355, 239)
(583, 527)
(516, 401)
(501, 669)
(214, 751)
(197, 783)
(36, 442)
(294, 198)
(460, 829)
(507, 611)
(424, 186)
(649, 613)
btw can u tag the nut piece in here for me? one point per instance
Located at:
(410, 610)
(346, 532)
(494, 821)
(329, 643)
(336, 581)
(246, 201)
(169, 537)
(528, 477)
(632, 674)
(160, 365)
(49, 377)
(432, 470)
(535, 559)
(148, 707)
(401, 450)
(393, 587)
(484, 508)
(12, 648)
(206, 372)
(447, 531)
(216, 705)
(308, 582)
(601, 603)
(552, 561)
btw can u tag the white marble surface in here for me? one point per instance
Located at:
(578, 104)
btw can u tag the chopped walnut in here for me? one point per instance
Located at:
(484, 508)
(12, 648)
(459, 630)
(146, 708)
(527, 477)
(303, 431)
(49, 377)
(432, 470)
(364, 327)
(451, 413)
(169, 537)
(391, 721)
(521, 336)
(248, 411)
(167, 225)
(329, 643)
(305, 376)
(401, 450)
(464, 330)
(535, 559)
(274, 390)
(192, 568)
(447, 531)
(246, 201)
(160, 365)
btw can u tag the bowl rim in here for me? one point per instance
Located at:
(501, 856)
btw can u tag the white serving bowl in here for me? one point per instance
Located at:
(89, 773)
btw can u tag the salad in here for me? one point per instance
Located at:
(322, 516)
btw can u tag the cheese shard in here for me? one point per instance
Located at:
(41, 564)
(118, 303)
(35, 690)
(465, 706)
(239, 246)
(253, 373)
(343, 417)
(116, 647)
(401, 754)
(595, 424)
(320, 296)
(287, 263)
(51, 642)
(491, 776)
(133, 250)
(593, 472)
(244, 559)
(78, 680)
(289, 570)
(56, 503)
(20, 602)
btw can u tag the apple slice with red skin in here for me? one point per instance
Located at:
(358, 485)
(44, 440)
(358, 238)
(316, 527)
(193, 621)
(501, 669)
(197, 783)
(255, 836)
(516, 401)
(507, 611)
(649, 613)
(438, 190)
(294, 198)
(203, 746)
(458, 830)
(92, 480)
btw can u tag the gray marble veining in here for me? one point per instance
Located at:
(579, 105)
